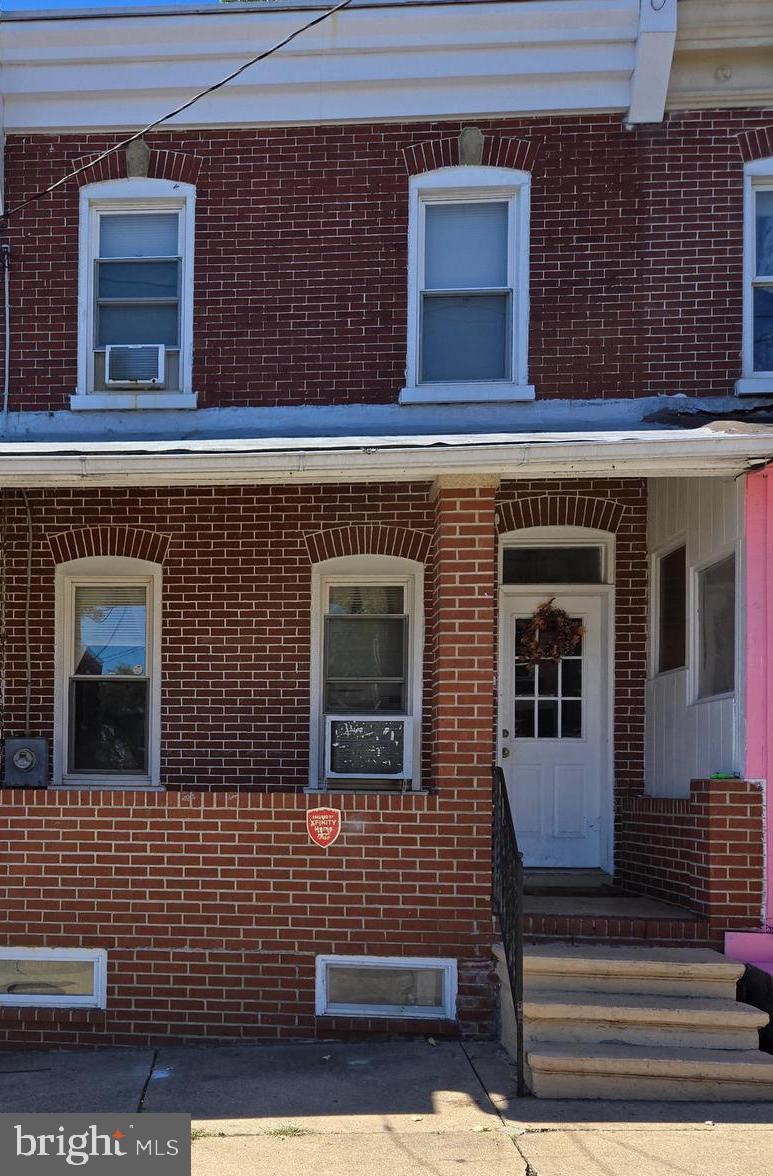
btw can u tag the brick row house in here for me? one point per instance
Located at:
(313, 396)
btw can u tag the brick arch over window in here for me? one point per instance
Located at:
(756, 143)
(162, 165)
(498, 151)
(368, 540)
(560, 510)
(123, 541)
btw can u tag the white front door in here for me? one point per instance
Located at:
(553, 737)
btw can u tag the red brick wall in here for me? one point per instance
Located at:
(213, 906)
(236, 611)
(301, 257)
(704, 852)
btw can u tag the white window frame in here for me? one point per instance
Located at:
(694, 626)
(92, 571)
(655, 559)
(758, 177)
(470, 184)
(445, 1012)
(364, 570)
(95, 1000)
(133, 195)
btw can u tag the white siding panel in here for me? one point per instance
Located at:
(687, 740)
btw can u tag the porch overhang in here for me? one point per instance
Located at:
(720, 449)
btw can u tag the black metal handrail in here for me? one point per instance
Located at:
(507, 898)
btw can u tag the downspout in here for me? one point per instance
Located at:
(5, 260)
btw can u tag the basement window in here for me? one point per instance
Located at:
(385, 986)
(53, 977)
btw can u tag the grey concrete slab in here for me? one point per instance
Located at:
(612, 907)
(72, 1081)
(389, 1154)
(407, 1086)
(656, 1153)
(497, 1073)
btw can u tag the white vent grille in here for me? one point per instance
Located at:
(133, 364)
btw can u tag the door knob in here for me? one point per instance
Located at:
(505, 752)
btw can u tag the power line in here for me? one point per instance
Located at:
(179, 110)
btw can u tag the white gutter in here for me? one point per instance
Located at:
(711, 451)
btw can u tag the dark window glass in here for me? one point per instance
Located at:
(716, 602)
(108, 725)
(672, 636)
(547, 719)
(571, 677)
(571, 719)
(524, 718)
(551, 565)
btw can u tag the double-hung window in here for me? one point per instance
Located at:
(108, 675)
(468, 286)
(758, 280)
(365, 719)
(136, 292)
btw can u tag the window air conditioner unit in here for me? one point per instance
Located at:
(129, 365)
(368, 747)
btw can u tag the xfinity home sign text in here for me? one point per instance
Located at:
(98, 1145)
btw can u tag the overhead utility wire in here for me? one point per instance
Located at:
(173, 113)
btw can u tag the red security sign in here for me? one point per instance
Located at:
(323, 825)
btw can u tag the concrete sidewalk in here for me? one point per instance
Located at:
(402, 1107)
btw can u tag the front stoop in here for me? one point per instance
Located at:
(637, 1023)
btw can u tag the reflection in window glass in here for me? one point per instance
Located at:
(33, 977)
(716, 617)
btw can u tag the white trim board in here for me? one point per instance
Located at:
(702, 452)
(394, 62)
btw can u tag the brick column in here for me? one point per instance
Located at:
(464, 618)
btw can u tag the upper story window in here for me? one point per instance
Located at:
(468, 279)
(136, 294)
(757, 378)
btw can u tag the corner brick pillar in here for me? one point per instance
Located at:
(463, 614)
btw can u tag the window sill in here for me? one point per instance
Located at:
(128, 401)
(754, 386)
(466, 393)
(88, 786)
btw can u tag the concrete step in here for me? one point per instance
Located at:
(635, 1019)
(662, 971)
(649, 1073)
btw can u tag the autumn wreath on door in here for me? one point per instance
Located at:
(548, 635)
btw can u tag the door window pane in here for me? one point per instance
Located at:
(108, 725)
(466, 246)
(551, 565)
(524, 718)
(547, 720)
(465, 337)
(548, 679)
(110, 631)
(571, 719)
(716, 603)
(571, 677)
(672, 628)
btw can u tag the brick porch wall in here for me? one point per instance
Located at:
(213, 906)
(704, 852)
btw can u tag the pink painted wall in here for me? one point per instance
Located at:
(758, 529)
